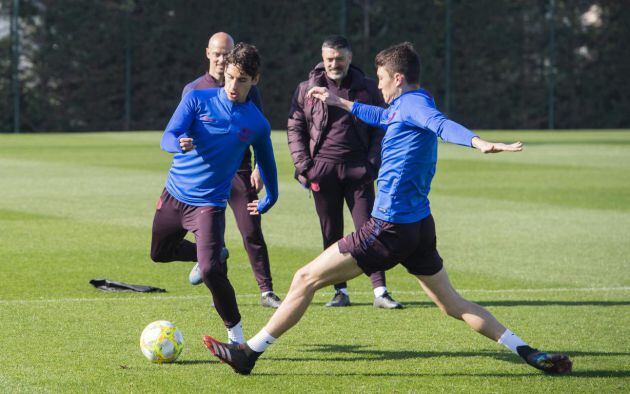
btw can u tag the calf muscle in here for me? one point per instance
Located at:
(438, 287)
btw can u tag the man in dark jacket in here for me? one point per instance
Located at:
(336, 155)
(245, 185)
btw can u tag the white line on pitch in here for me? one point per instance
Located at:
(321, 293)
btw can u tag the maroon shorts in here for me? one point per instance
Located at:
(379, 245)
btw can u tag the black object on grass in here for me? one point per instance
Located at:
(111, 285)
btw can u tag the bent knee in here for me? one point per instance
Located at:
(304, 278)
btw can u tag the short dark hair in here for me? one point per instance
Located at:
(337, 42)
(401, 58)
(246, 58)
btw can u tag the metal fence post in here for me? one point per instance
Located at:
(127, 120)
(447, 60)
(343, 17)
(15, 62)
(366, 29)
(551, 71)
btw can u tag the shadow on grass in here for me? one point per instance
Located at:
(361, 352)
(193, 362)
(533, 373)
(407, 354)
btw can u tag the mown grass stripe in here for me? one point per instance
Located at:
(321, 294)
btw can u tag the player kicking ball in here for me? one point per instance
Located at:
(401, 229)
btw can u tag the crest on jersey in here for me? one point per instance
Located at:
(208, 119)
(245, 134)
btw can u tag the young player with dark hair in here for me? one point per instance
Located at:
(208, 135)
(246, 183)
(401, 229)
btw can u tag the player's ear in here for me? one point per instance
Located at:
(208, 53)
(400, 79)
(256, 79)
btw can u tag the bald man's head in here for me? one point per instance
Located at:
(221, 39)
(219, 45)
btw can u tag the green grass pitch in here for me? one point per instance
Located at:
(541, 238)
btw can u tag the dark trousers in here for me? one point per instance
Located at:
(337, 182)
(250, 228)
(173, 219)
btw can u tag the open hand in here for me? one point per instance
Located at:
(496, 147)
(323, 94)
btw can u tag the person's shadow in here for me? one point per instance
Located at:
(353, 353)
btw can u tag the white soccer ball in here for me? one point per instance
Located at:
(161, 342)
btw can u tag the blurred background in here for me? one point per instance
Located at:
(72, 65)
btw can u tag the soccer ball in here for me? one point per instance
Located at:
(161, 342)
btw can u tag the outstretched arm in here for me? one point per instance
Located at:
(369, 114)
(428, 117)
(422, 113)
(322, 93)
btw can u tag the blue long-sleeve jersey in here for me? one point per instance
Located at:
(412, 124)
(221, 131)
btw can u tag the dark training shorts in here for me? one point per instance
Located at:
(379, 245)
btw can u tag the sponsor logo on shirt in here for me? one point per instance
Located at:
(391, 117)
(208, 119)
(244, 134)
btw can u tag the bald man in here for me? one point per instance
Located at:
(246, 183)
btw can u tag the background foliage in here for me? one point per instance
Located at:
(74, 56)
